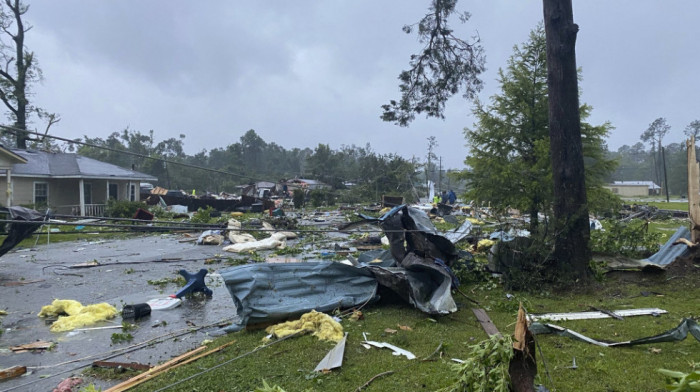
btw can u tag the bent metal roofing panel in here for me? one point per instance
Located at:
(66, 165)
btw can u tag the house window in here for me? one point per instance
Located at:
(132, 192)
(113, 191)
(87, 193)
(41, 194)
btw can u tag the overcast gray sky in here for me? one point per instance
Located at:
(307, 72)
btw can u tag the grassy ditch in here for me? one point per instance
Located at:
(290, 363)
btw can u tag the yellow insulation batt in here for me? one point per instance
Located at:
(74, 315)
(484, 244)
(322, 325)
(475, 221)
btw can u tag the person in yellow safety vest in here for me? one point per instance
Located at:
(436, 199)
(193, 194)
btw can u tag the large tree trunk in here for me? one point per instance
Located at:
(571, 225)
(20, 85)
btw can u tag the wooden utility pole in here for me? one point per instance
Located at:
(693, 191)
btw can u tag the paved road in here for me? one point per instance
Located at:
(119, 281)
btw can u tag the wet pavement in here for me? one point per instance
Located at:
(30, 279)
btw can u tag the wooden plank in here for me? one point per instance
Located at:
(485, 322)
(149, 374)
(39, 345)
(172, 364)
(12, 372)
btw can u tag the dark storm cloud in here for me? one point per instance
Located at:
(307, 72)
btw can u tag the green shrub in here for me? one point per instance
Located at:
(631, 239)
(122, 208)
(203, 215)
(681, 382)
(316, 197)
(298, 198)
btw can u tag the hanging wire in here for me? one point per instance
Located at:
(16, 130)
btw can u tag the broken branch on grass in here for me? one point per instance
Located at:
(467, 297)
(437, 350)
(365, 385)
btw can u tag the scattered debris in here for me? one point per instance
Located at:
(135, 311)
(356, 316)
(275, 241)
(195, 283)
(608, 312)
(365, 385)
(334, 358)
(19, 283)
(322, 325)
(596, 314)
(164, 303)
(36, 346)
(68, 384)
(15, 371)
(674, 335)
(211, 237)
(183, 359)
(264, 292)
(396, 350)
(523, 366)
(72, 314)
(87, 264)
(485, 322)
(16, 232)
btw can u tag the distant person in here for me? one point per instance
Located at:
(443, 200)
(436, 199)
(451, 197)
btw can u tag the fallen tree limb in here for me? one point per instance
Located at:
(691, 245)
(365, 385)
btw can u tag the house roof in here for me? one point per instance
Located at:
(10, 155)
(265, 184)
(649, 184)
(68, 165)
(311, 182)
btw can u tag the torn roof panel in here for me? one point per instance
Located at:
(669, 252)
(267, 292)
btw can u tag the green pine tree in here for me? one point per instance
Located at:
(509, 163)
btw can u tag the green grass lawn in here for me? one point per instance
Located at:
(661, 204)
(290, 363)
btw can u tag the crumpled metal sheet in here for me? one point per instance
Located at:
(265, 292)
(669, 252)
(410, 230)
(425, 287)
(673, 335)
(16, 232)
(459, 233)
(268, 292)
